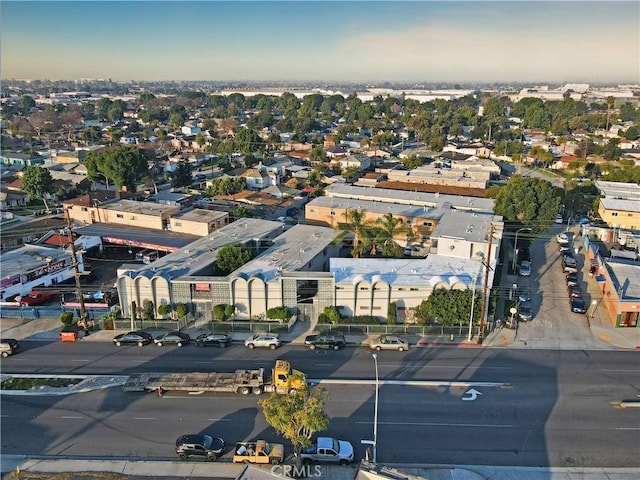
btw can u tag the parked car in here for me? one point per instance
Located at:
(175, 338)
(389, 342)
(138, 337)
(264, 340)
(574, 291)
(559, 220)
(577, 305)
(37, 298)
(9, 346)
(562, 238)
(220, 340)
(524, 255)
(572, 279)
(564, 248)
(199, 444)
(334, 341)
(525, 311)
(525, 268)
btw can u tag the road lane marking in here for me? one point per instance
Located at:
(70, 416)
(144, 418)
(413, 383)
(432, 424)
(218, 419)
(627, 428)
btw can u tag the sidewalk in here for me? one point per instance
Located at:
(61, 468)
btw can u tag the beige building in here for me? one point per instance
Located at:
(135, 214)
(198, 221)
(624, 214)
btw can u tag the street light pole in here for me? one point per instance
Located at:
(375, 413)
(515, 248)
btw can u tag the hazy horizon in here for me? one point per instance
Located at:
(333, 41)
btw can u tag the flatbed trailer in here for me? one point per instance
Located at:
(240, 381)
(283, 380)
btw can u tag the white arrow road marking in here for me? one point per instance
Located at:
(474, 394)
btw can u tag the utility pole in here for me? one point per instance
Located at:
(76, 271)
(484, 287)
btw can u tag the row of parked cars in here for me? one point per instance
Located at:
(570, 269)
(327, 340)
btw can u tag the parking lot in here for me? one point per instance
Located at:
(553, 324)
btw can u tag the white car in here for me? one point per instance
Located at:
(389, 342)
(562, 238)
(264, 340)
(559, 219)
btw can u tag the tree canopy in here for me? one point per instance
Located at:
(123, 165)
(447, 307)
(37, 183)
(533, 202)
(297, 416)
(231, 257)
(181, 176)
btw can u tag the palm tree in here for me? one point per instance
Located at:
(361, 228)
(389, 229)
(611, 101)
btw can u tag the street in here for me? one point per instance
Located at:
(484, 407)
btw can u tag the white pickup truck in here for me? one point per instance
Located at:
(329, 450)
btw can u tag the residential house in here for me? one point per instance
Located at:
(175, 199)
(12, 200)
(362, 162)
(20, 159)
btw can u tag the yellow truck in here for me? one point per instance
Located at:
(259, 451)
(283, 380)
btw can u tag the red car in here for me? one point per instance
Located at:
(37, 298)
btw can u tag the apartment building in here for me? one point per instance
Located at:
(198, 221)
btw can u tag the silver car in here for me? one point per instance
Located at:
(264, 340)
(389, 342)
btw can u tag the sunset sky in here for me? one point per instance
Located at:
(363, 41)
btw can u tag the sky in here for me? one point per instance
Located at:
(346, 41)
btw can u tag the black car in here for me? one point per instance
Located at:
(577, 305)
(572, 279)
(574, 291)
(139, 338)
(333, 341)
(220, 340)
(175, 338)
(199, 444)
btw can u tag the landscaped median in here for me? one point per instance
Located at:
(27, 384)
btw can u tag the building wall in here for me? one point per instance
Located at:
(201, 229)
(136, 219)
(620, 218)
(335, 216)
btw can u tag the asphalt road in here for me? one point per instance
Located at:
(541, 407)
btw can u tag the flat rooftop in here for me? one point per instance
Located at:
(201, 253)
(30, 257)
(142, 208)
(471, 226)
(418, 199)
(199, 215)
(626, 275)
(619, 204)
(377, 207)
(162, 239)
(290, 251)
(433, 270)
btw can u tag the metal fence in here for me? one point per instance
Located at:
(250, 326)
(139, 324)
(404, 329)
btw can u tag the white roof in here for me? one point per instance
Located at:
(433, 270)
(622, 205)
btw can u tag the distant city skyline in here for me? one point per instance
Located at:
(393, 41)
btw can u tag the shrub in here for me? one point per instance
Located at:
(278, 313)
(181, 310)
(333, 313)
(392, 313)
(67, 319)
(164, 309)
(323, 318)
(229, 311)
(148, 310)
(219, 312)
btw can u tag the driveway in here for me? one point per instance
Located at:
(554, 325)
